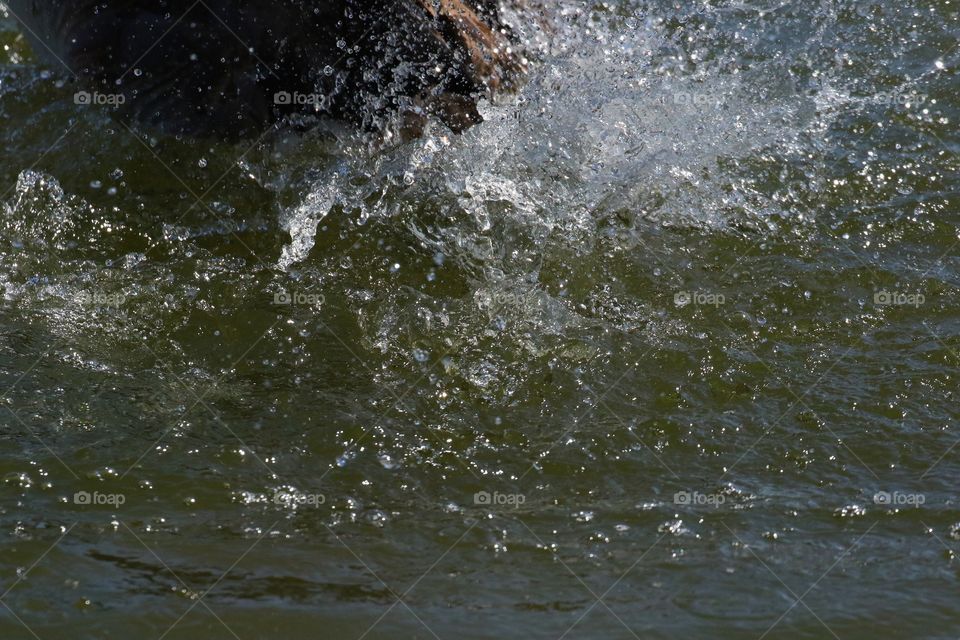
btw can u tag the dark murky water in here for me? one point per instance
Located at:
(665, 348)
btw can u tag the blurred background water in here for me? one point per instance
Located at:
(667, 347)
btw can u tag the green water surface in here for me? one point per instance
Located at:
(666, 348)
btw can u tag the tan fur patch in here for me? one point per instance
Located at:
(495, 63)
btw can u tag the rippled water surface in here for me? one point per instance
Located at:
(666, 348)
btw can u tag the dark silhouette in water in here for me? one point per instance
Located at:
(233, 68)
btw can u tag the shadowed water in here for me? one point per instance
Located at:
(665, 347)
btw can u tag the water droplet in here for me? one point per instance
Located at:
(850, 511)
(674, 527)
(387, 462)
